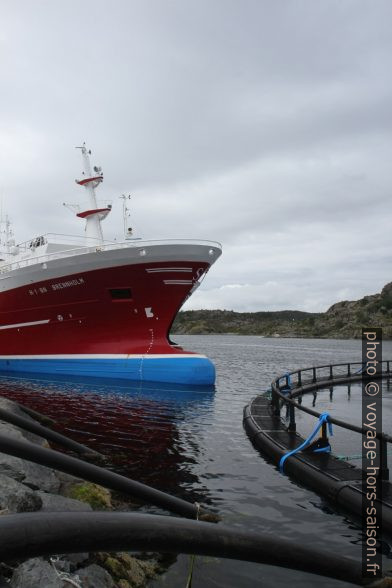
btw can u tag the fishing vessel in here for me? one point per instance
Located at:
(87, 306)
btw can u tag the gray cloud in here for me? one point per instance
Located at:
(260, 124)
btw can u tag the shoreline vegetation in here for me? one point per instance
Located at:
(343, 320)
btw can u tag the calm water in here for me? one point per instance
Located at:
(192, 444)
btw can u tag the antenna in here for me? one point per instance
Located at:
(126, 215)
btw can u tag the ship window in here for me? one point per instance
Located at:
(120, 293)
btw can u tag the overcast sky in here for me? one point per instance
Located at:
(264, 125)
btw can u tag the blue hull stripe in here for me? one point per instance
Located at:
(197, 371)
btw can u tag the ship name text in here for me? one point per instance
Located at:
(56, 286)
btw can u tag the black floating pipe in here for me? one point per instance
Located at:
(312, 388)
(38, 429)
(340, 492)
(38, 416)
(98, 475)
(40, 534)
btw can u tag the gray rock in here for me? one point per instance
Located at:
(31, 474)
(76, 559)
(95, 577)
(11, 431)
(66, 481)
(15, 497)
(14, 409)
(35, 573)
(58, 503)
(9, 405)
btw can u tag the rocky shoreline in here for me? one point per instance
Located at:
(343, 320)
(29, 487)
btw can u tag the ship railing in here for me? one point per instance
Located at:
(57, 238)
(141, 245)
(287, 390)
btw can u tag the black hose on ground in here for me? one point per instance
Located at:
(43, 419)
(40, 534)
(38, 429)
(99, 475)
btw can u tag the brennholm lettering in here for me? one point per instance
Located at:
(68, 284)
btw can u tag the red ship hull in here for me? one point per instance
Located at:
(106, 311)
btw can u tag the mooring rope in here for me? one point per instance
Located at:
(357, 456)
(64, 576)
(323, 418)
(289, 383)
(192, 557)
(363, 366)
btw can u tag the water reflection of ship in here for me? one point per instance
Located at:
(137, 426)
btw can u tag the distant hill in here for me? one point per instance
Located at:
(344, 320)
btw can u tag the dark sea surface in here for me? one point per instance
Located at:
(193, 445)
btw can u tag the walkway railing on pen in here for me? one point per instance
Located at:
(286, 389)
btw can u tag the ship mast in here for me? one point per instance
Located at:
(93, 215)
